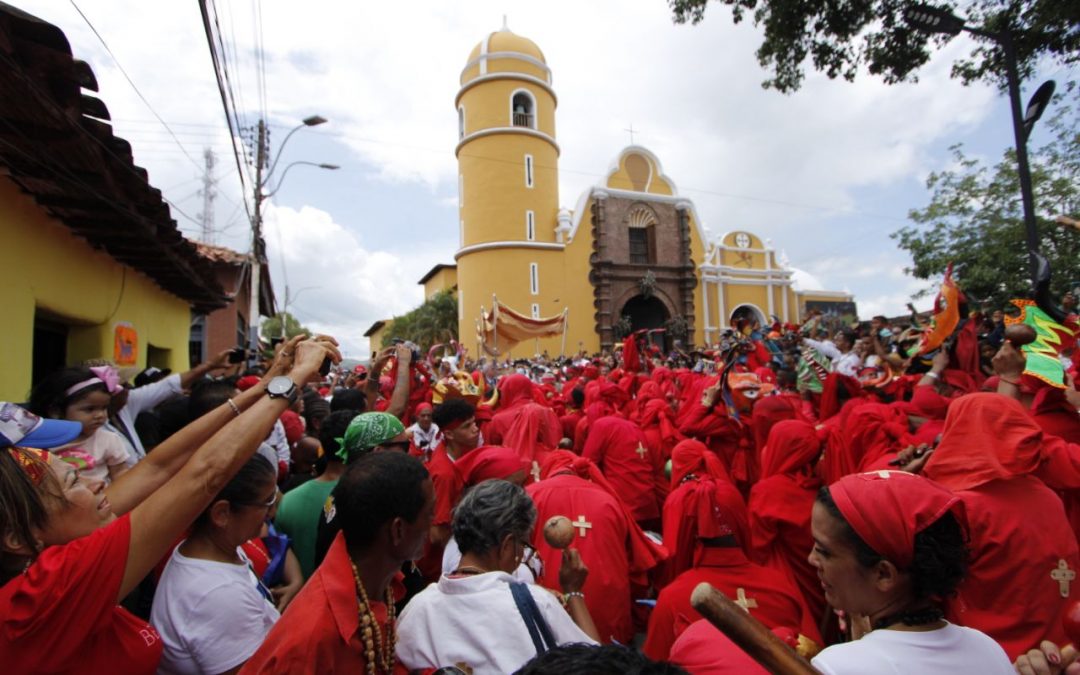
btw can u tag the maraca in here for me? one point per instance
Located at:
(559, 532)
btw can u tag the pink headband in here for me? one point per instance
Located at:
(107, 375)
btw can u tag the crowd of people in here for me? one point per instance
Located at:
(881, 499)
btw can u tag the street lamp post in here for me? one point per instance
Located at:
(936, 20)
(258, 244)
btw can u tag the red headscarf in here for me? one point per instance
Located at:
(786, 491)
(644, 553)
(771, 410)
(515, 390)
(526, 431)
(705, 508)
(693, 457)
(489, 461)
(986, 437)
(888, 508)
(830, 394)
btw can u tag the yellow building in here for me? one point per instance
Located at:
(92, 264)
(632, 252)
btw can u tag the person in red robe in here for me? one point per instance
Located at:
(709, 421)
(1024, 554)
(780, 506)
(717, 520)
(611, 544)
(517, 393)
(694, 468)
(618, 447)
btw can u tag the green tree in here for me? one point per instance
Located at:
(839, 36)
(975, 217)
(271, 327)
(431, 323)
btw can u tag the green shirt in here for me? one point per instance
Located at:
(298, 516)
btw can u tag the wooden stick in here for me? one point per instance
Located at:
(760, 643)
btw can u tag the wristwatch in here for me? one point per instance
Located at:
(283, 387)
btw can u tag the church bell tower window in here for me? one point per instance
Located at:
(523, 110)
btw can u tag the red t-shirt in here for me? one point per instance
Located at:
(320, 630)
(61, 616)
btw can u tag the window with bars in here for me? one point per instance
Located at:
(639, 245)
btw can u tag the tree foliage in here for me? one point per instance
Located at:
(271, 327)
(839, 36)
(434, 322)
(975, 216)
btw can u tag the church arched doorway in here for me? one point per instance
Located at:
(748, 314)
(645, 313)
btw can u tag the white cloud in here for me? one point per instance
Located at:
(786, 167)
(335, 285)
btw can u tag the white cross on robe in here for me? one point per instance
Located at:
(581, 524)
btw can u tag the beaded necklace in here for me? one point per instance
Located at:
(377, 652)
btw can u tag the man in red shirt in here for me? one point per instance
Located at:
(456, 419)
(386, 503)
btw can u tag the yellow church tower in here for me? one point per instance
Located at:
(508, 189)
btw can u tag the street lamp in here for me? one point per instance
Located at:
(258, 245)
(930, 19)
(285, 172)
(288, 299)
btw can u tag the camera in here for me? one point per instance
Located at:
(238, 355)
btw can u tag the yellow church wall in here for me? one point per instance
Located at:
(505, 272)
(487, 105)
(638, 173)
(44, 266)
(579, 292)
(514, 65)
(445, 278)
(495, 198)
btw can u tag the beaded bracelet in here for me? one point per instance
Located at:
(232, 404)
(572, 594)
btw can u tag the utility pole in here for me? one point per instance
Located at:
(258, 246)
(209, 194)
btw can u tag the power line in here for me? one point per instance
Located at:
(225, 95)
(132, 83)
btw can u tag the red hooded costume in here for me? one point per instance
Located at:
(611, 544)
(1024, 554)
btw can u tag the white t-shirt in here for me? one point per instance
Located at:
(948, 651)
(474, 620)
(211, 615)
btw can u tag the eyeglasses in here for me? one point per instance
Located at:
(263, 505)
(532, 561)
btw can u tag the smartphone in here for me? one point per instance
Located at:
(324, 369)
(238, 355)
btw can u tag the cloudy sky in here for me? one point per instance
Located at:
(826, 173)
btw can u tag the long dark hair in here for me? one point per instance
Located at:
(246, 487)
(49, 397)
(23, 507)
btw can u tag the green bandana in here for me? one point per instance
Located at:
(366, 431)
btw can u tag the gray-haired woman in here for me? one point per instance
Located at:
(471, 616)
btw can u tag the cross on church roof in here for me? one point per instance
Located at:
(631, 130)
